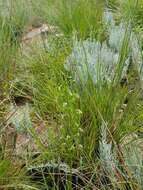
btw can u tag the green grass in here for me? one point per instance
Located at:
(89, 127)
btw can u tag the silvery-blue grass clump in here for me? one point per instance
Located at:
(116, 32)
(136, 52)
(116, 37)
(91, 59)
(107, 157)
(108, 18)
(133, 159)
(20, 117)
(99, 62)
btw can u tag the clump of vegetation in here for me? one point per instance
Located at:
(74, 108)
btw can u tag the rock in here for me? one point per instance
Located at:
(37, 38)
(44, 29)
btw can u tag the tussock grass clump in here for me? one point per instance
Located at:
(83, 93)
